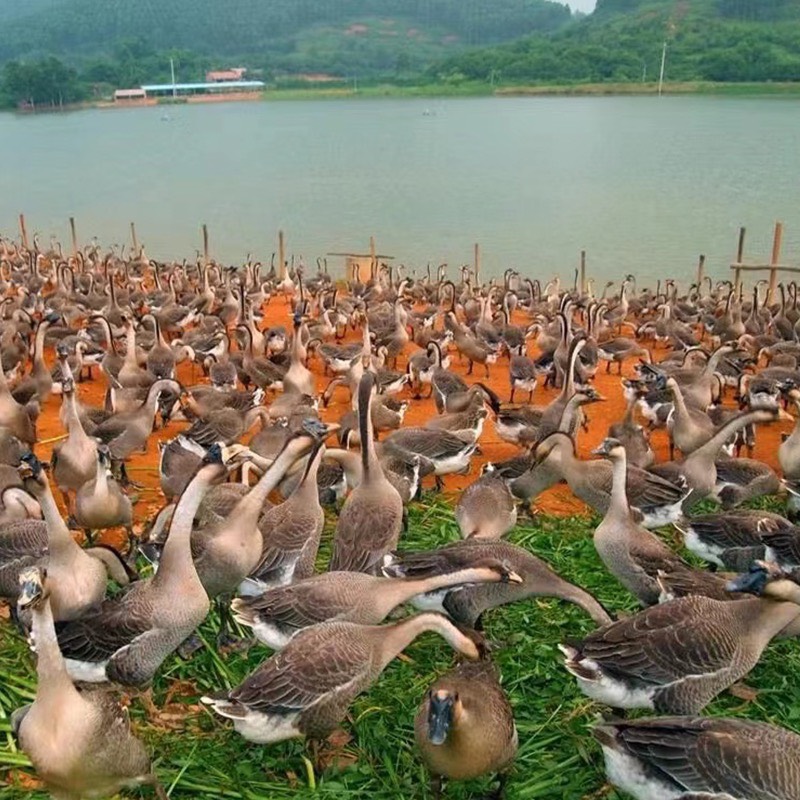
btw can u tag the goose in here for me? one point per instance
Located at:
(372, 516)
(465, 605)
(631, 553)
(789, 449)
(632, 437)
(79, 742)
(735, 538)
(298, 380)
(617, 350)
(101, 504)
(160, 358)
(280, 613)
(677, 656)
(77, 577)
(523, 374)
(306, 688)
(16, 418)
(701, 758)
(444, 452)
(73, 460)
(465, 728)
(486, 509)
(657, 500)
(127, 638)
(698, 469)
(443, 382)
(742, 479)
(290, 533)
(467, 425)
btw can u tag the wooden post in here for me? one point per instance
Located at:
(74, 237)
(373, 259)
(777, 239)
(23, 231)
(583, 272)
(134, 240)
(205, 243)
(477, 262)
(737, 275)
(701, 271)
(281, 255)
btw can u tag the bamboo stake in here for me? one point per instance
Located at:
(777, 240)
(477, 261)
(737, 275)
(205, 243)
(74, 237)
(23, 231)
(583, 272)
(373, 260)
(134, 240)
(701, 270)
(281, 255)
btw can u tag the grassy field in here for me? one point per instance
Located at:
(198, 755)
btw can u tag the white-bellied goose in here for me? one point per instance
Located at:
(278, 614)
(676, 657)
(306, 688)
(701, 758)
(80, 743)
(128, 638)
(372, 516)
(465, 727)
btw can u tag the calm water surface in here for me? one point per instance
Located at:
(645, 185)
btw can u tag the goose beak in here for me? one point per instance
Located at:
(600, 450)
(752, 582)
(440, 717)
(31, 589)
(512, 577)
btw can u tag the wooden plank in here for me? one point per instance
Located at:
(134, 240)
(777, 239)
(583, 272)
(701, 270)
(281, 255)
(477, 261)
(74, 237)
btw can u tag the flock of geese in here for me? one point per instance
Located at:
(219, 539)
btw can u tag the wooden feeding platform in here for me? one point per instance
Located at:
(362, 267)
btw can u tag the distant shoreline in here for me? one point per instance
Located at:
(464, 89)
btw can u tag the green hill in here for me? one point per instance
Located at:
(717, 40)
(277, 31)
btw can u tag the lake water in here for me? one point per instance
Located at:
(644, 185)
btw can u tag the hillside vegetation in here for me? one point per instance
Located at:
(716, 40)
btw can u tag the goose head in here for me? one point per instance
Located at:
(444, 710)
(609, 448)
(32, 588)
(767, 579)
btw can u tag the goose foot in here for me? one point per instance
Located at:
(500, 791)
(743, 692)
(229, 643)
(436, 786)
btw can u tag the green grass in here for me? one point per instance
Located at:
(203, 757)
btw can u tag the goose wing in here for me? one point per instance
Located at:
(431, 444)
(665, 643)
(713, 757)
(24, 537)
(327, 659)
(97, 636)
(286, 531)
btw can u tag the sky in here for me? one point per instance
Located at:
(581, 5)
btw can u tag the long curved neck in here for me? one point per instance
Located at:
(249, 508)
(769, 617)
(370, 466)
(392, 640)
(619, 495)
(714, 444)
(53, 681)
(176, 559)
(72, 418)
(680, 403)
(400, 590)
(58, 536)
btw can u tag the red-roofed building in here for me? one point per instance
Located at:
(226, 75)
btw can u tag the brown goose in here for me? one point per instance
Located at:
(372, 516)
(656, 499)
(486, 509)
(306, 688)
(465, 726)
(676, 657)
(701, 758)
(278, 614)
(80, 743)
(467, 604)
(128, 637)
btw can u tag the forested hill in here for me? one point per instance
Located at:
(717, 40)
(304, 34)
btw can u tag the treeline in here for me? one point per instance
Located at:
(236, 27)
(706, 41)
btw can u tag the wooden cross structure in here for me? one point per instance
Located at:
(774, 266)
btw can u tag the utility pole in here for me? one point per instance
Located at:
(663, 64)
